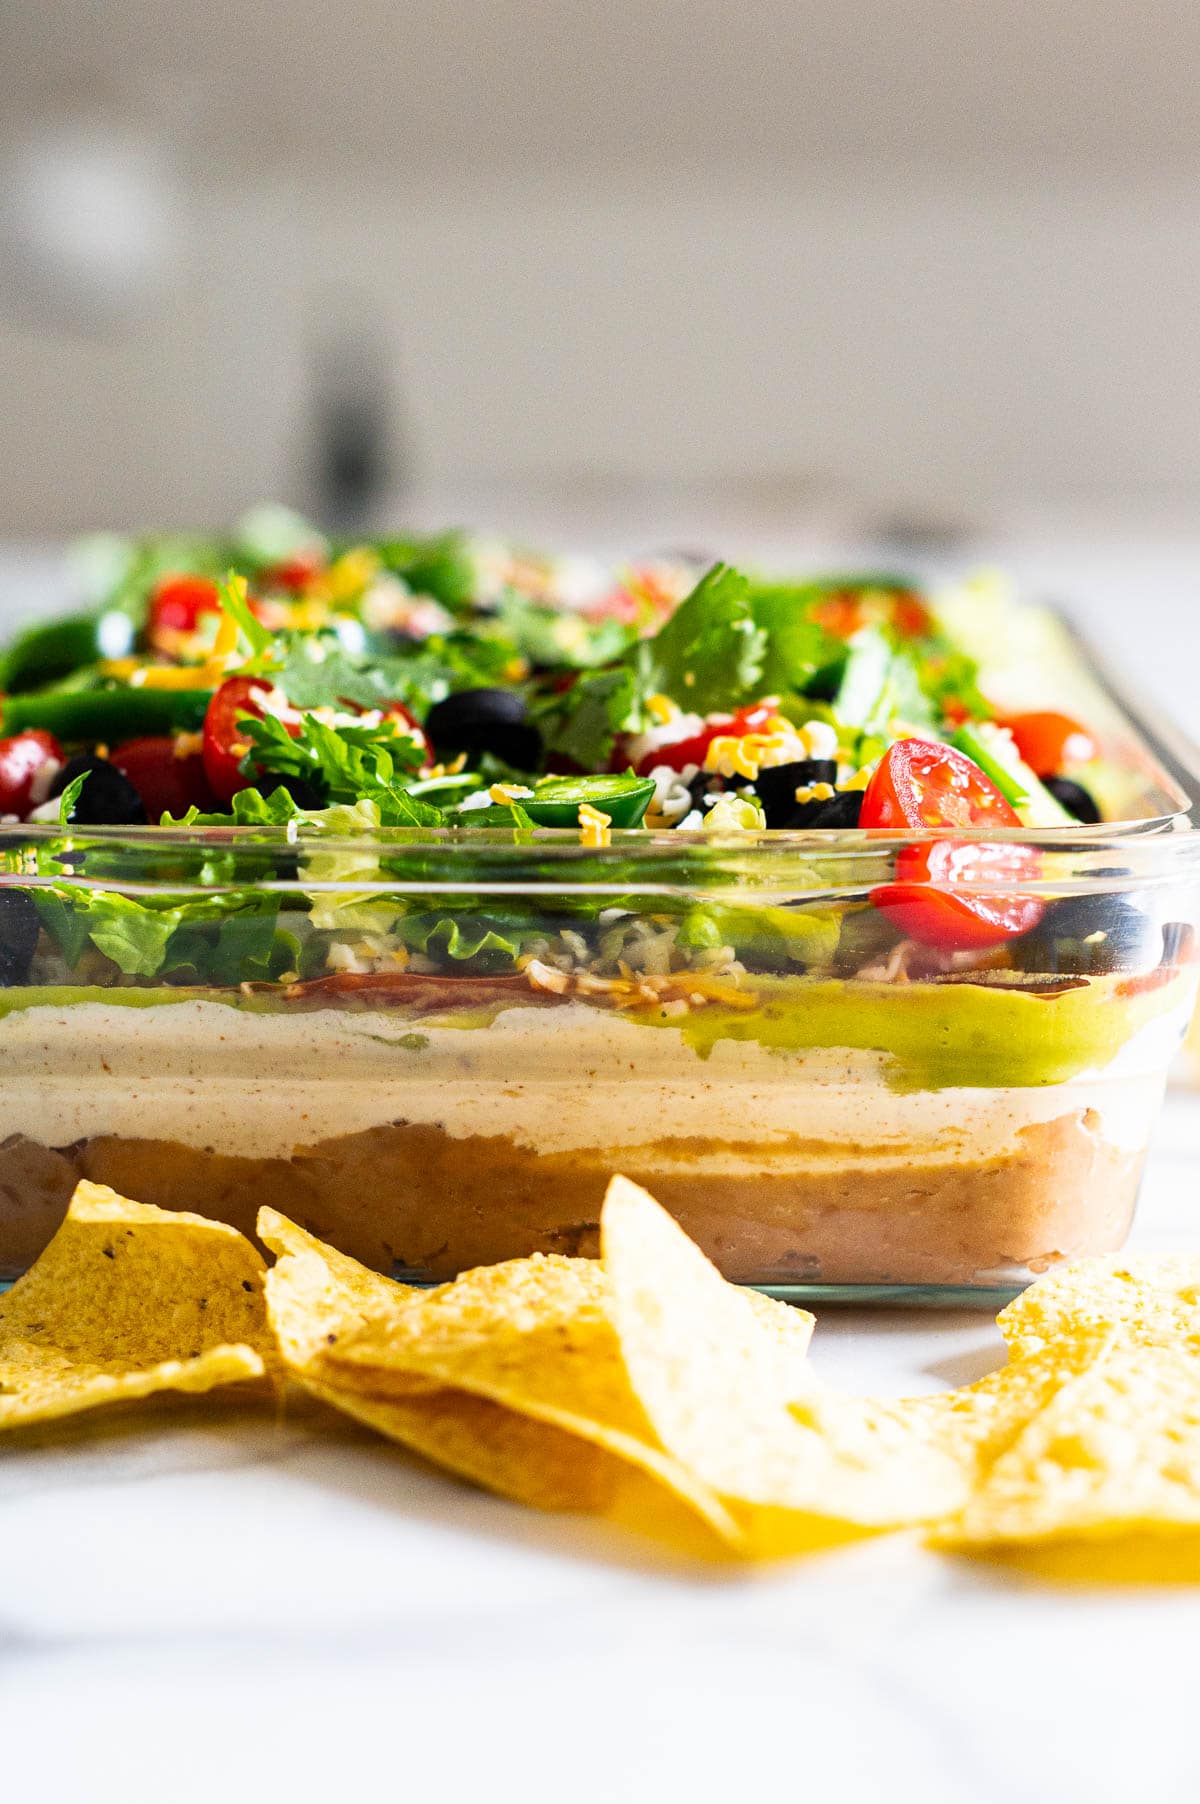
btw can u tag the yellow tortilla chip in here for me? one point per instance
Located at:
(1115, 1452)
(721, 1395)
(314, 1292)
(532, 1335)
(528, 1461)
(1148, 1299)
(1164, 1556)
(127, 1300)
(976, 1424)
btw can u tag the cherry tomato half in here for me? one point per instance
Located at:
(22, 759)
(178, 602)
(1048, 742)
(294, 574)
(910, 617)
(926, 907)
(843, 613)
(224, 745)
(693, 749)
(922, 784)
(166, 782)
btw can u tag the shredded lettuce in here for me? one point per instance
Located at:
(775, 938)
(222, 938)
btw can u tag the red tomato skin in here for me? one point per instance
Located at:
(294, 574)
(927, 909)
(910, 617)
(223, 745)
(1048, 742)
(179, 601)
(920, 784)
(841, 615)
(693, 750)
(21, 758)
(166, 783)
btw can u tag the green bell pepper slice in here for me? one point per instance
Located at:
(42, 653)
(89, 716)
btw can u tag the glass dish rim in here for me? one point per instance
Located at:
(747, 868)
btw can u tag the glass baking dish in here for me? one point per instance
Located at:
(725, 1019)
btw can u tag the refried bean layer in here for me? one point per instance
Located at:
(411, 1199)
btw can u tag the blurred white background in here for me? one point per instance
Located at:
(936, 259)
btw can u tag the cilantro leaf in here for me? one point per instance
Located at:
(582, 723)
(442, 565)
(347, 764)
(711, 652)
(343, 762)
(557, 638)
(798, 648)
(69, 797)
(316, 672)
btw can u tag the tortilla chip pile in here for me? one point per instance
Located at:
(643, 1383)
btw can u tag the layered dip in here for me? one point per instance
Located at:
(415, 886)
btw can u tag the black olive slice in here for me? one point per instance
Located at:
(1098, 934)
(302, 792)
(1074, 798)
(19, 927)
(485, 720)
(839, 810)
(777, 785)
(107, 799)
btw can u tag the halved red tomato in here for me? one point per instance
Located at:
(910, 617)
(840, 614)
(692, 750)
(224, 744)
(844, 612)
(1048, 742)
(294, 574)
(919, 783)
(22, 759)
(167, 782)
(178, 602)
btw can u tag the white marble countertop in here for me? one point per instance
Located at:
(208, 1603)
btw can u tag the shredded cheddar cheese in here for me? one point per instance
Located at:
(595, 828)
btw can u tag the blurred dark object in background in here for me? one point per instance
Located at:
(358, 456)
